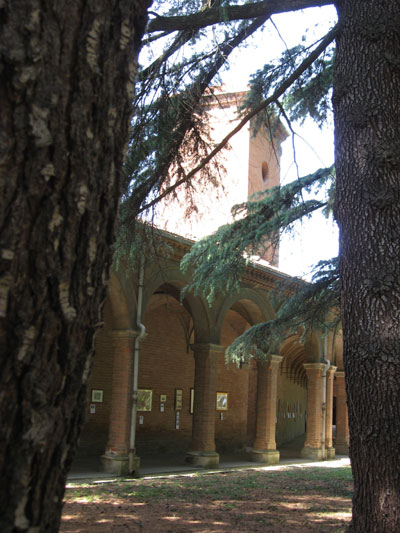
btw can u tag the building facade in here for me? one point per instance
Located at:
(160, 383)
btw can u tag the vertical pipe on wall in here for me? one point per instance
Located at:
(142, 332)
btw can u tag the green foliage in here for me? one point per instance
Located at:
(138, 242)
(218, 261)
(169, 133)
(309, 95)
(302, 308)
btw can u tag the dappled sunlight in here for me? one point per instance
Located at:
(295, 498)
(333, 514)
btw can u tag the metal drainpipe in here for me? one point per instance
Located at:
(328, 364)
(132, 441)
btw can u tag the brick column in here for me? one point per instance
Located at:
(202, 449)
(264, 447)
(115, 458)
(329, 449)
(342, 420)
(313, 446)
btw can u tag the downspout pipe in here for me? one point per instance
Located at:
(324, 384)
(132, 466)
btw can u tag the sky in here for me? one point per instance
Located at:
(317, 238)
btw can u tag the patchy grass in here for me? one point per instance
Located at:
(292, 499)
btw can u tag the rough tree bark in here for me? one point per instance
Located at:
(367, 119)
(67, 72)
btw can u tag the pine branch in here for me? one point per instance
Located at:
(228, 13)
(313, 306)
(262, 106)
(218, 261)
(184, 36)
(189, 100)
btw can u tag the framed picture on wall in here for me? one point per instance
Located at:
(97, 396)
(178, 399)
(222, 401)
(145, 398)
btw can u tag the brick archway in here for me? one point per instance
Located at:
(113, 344)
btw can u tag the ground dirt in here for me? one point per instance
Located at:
(293, 499)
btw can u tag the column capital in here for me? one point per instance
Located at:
(123, 333)
(331, 370)
(340, 374)
(314, 366)
(276, 359)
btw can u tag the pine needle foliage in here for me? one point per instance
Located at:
(137, 243)
(309, 95)
(303, 308)
(312, 93)
(218, 261)
(170, 133)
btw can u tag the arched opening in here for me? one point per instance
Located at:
(231, 425)
(235, 429)
(116, 334)
(166, 376)
(292, 398)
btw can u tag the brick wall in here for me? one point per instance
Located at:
(165, 365)
(264, 173)
(95, 431)
(231, 430)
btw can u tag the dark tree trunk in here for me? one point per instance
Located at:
(67, 70)
(367, 122)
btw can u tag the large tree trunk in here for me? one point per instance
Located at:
(367, 122)
(67, 71)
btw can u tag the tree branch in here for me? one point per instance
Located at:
(179, 41)
(263, 105)
(217, 14)
(193, 95)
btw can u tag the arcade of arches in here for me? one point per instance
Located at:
(190, 401)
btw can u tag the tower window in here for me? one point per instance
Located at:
(264, 171)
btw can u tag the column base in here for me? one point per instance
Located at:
(203, 459)
(317, 454)
(330, 453)
(342, 449)
(115, 464)
(270, 457)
